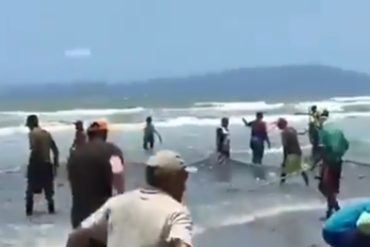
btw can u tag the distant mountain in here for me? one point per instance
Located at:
(304, 81)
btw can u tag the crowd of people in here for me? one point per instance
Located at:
(103, 214)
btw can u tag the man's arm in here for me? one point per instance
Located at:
(94, 227)
(55, 151)
(181, 228)
(158, 135)
(246, 123)
(117, 163)
(267, 139)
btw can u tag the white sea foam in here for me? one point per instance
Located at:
(184, 121)
(351, 99)
(232, 106)
(76, 112)
(336, 104)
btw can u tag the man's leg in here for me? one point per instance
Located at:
(49, 194)
(305, 178)
(49, 188)
(151, 143)
(29, 199)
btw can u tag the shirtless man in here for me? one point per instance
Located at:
(41, 169)
(292, 158)
(149, 132)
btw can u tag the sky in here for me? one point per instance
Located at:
(129, 40)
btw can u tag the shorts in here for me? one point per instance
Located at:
(258, 150)
(349, 238)
(148, 140)
(40, 175)
(293, 163)
(331, 173)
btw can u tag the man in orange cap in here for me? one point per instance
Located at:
(292, 159)
(94, 170)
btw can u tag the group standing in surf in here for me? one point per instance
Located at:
(96, 172)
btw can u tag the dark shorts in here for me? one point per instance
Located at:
(148, 140)
(331, 173)
(40, 176)
(258, 149)
(350, 238)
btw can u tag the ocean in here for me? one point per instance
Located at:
(256, 212)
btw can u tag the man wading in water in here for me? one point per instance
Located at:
(152, 216)
(149, 132)
(223, 168)
(314, 126)
(258, 137)
(40, 170)
(292, 161)
(94, 170)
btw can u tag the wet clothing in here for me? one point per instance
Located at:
(223, 141)
(80, 139)
(40, 144)
(40, 178)
(330, 176)
(340, 230)
(90, 174)
(289, 139)
(144, 217)
(257, 141)
(334, 143)
(223, 169)
(149, 139)
(313, 134)
(40, 170)
(292, 160)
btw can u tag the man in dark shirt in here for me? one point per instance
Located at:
(94, 170)
(41, 169)
(258, 137)
(80, 136)
(292, 153)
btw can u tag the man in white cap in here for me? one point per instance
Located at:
(152, 216)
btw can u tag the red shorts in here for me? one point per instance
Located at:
(330, 177)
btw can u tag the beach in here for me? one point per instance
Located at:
(253, 213)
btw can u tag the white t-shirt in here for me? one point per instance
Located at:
(143, 218)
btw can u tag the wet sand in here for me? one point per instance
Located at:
(272, 216)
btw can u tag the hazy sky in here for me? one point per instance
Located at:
(121, 40)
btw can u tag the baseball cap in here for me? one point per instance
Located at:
(98, 126)
(169, 160)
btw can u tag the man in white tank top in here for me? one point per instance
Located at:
(152, 216)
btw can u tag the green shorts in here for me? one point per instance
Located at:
(293, 163)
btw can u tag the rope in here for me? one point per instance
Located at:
(359, 163)
(278, 179)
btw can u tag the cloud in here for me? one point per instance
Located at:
(77, 53)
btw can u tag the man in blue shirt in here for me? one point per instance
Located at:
(349, 227)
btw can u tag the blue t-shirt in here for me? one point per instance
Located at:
(346, 218)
